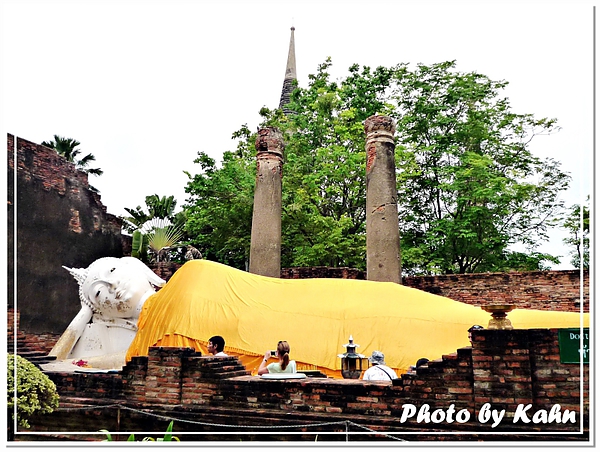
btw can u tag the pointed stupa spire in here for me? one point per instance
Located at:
(290, 75)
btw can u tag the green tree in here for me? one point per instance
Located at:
(221, 200)
(156, 207)
(324, 190)
(577, 223)
(323, 218)
(35, 392)
(68, 148)
(469, 189)
(157, 230)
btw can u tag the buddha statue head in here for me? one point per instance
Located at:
(115, 287)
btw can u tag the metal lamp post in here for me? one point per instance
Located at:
(352, 362)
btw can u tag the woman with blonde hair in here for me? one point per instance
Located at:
(285, 365)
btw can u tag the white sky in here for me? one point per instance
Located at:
(145, 85)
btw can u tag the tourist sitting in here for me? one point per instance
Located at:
(378, 369)
(473, 328)
(420, 362)
(215, 347)
(284, 364)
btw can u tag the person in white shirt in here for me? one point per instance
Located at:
(215, 346)
(378, 369)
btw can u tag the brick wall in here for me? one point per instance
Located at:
(27, 345)
(556, 290)
(553, 382)
(165, 269)
(59, 221)
(322, 272)
(92, 386)
(503, 368)
(36, 162)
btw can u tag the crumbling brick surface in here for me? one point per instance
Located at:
(556, 290)
(54, 219)
(504, 368)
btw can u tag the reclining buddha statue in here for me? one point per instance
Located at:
(112, 292)
(253, 312)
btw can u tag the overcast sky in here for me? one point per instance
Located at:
(146, 85)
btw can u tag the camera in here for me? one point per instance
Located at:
(273, 352)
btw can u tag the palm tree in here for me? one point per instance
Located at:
(67, 147)
(156, 207)
(157, 230)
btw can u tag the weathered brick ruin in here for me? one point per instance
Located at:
(210, 398)
(59, 221)
(554, 290)
(207, 395)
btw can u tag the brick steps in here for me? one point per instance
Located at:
(22, 347)
(24, 351)
(222, 368)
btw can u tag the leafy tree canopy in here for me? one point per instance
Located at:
(468, 186)
(220, 212)
(577, 223)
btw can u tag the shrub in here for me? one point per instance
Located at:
(36, 393)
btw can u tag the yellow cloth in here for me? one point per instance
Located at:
(315, 316)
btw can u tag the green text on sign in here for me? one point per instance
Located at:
(569, 343)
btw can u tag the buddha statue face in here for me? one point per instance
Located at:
(116, 287)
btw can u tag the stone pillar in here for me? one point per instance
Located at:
(265, 242)
(383, 236)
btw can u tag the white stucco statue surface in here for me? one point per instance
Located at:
(112, 292)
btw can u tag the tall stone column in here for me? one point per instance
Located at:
(265, 242)
(383, 235)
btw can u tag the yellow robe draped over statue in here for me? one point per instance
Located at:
(315, 316)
